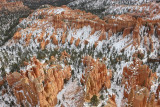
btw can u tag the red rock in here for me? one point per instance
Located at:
(77, 42)
(63, 38)
(111, 102)
(140, 97)
(25, 63)
(96, 44)
(3, 1)
(151, 32)
(109, 34)
(13, 78)
(97, 78)
(145, 41)
(102, 36)
(127, 31)
(47, 42)
(158, 32)
(54, 40)
(86, 42)
(28, 38)
(63, 57)
(42, 44)
(158, 91)
(1, 81)
(71, 41)
(39, 86)
(137, 79)
(17, 36)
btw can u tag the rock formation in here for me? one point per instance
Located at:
(74, 19)
(38, 85)
(96, 76)
(13, 78)
(127, 31)
(77, 42)
(128, 24)
(131, 23)
(53, 31)
(111, 102)
(138, 79)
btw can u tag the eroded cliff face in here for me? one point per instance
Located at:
(38, 85)
(139, 21)
(95, 77)
(64, 18)
(138, 80)
(109, 62)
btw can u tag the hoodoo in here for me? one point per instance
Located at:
(83, 54)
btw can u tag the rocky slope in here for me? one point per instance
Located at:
(10, 12)
(64, 57)
(102, 7)
(38, 85)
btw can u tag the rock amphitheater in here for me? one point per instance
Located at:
(43, 82)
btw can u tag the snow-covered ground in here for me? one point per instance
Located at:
(17, 52)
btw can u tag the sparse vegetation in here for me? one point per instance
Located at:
(94, 100)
